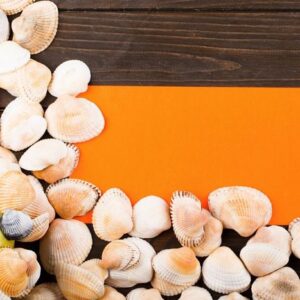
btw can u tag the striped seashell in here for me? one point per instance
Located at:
(12, 7)
(195, 293)
(94, 266)
(45, 291)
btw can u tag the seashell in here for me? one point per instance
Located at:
(70, 78)
(74, 120)
(224, 273)
(15, 225)
(283, 284)
(77, 283)
(195, 293)
(5, 243)
(36, 28)
(72, 197)
(233, 296)
(188, 218)
(7, 155)
(12, 57)
(4, 27)
(94, 266)
(64, 168)
(112, 294)
(242, 209)
(4, 297)
(112, 216)
(11, 7)
(151, 216)
(6, 166)
(29, 82)
(294, 229)
(267, 251)
(49, 291)
(144, 294)
(67, 241)
(212, 237)
(22, 124)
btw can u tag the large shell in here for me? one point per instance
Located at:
(11, 7)
(224, 273)
(242, 209)
(22, 124)
(195, 293)
(94, 266)
(4, 27)
(36, 28)
(72, 197)
(144, 294)
(67, 241)
(74, 120)
(294, 229)
(70, 78)
(233, 296)
(112, 294)
(45, 291)
(112, 216)
(5, 243)
(268, 251)
(7, 155)
(151, 216)
(283, 284)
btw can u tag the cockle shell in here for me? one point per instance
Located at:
(4, 27)
(283, 284)
(112, 294)
(36, 28)
(74, 120)
(151, 216)
(76, 283)
(294, 229)
(144, 294)
(175, 270)
(112, 216)
(242, 209)
(7, 155)
(223, 272)
(94, 266)
(45, 291)
(22, 124)
(6, 166)
(11, 7)
(72, 197)
(70, 78)
(233, 296)
(64, 168)
(4, 297)
(5, 243)
(67, 241)
(195, 293)
(267, 251)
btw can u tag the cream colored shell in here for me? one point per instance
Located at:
(7, 155)
(233, 296)
(4, 27)
(112, 294)
(45, 291)
(195, 293)
(294, 229)
(144, 294)
(11, 7)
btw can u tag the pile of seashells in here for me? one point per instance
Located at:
(28, 214)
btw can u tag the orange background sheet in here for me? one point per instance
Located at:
(160, 139)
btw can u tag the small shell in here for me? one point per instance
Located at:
(11, 7)
(242, 209)
(224, 273)
(5, 243)
(7, 155)
(43, 154)
(74, 120)
(67, 241)
(112, 294)
(4, 297)
(36, 28)
(151, 216)
(195, 293)
(234, 296)
(283, 284)
(267, 251)
(22, 124)
(94, 266)
(70, 78)
(48, 291)
(112, 216)
(4, 27)
(64, 168)
(72, 197)
(144, 294)
(6, 166)
(294, 229)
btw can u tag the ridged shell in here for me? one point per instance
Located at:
(294, 229)
(70, 78)
(36, 28)
(144, 294)
(11, 7)
(72, 197)
(6, 166)
(4, 27)
(233, 296)
(22, 124)
(112, 294)
(94, 266)
(4, 297)
(68, 241)
(242, 209)
(151, 216)
(112, 216)
(267, 251)
(5, 243)
(74, 120)
(45, 291)
(283, 284)
(195, 293)
(7, 155)
(223, 272)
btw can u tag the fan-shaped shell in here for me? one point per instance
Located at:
(4, 27)
(233, 296)
(112, 294)
(94, 266)
(294, 229)
(67, 241)
(7, 155)
(242, 209)
(224, 273)
(195, 293)
(144, 294)
(5, 243)
(45, 291)
(70, 78)
(74, 120)
(11, 7)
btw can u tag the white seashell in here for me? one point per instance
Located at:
(11, 7)
(144, 294)
(112, 294)
(233, 296)
(7, 155)
(4, 27)
(224, 273)
(70, 78)
(195, 293)
(45, 291)
(267, 251)
(294, 229)
(94, 266)
(6, 166)
(151, 216)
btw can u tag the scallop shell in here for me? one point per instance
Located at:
(64, 168)
(4, 27)
(49, 291)
(76, 283)
(94, 266)
(5, 243)
(72, 197)
(294, 229)
(144, 294)
(4, 297)
(112, 294)
(283, 284)
(224, 273)
(195, 293)
(233, 296)
(11, 7)
(22, 124)
(151, 216)
(70, 78)
(12, 57)
(74, 120)
(112, 216)
(242, 209)
(267, 251)
(68, 241)
(7, 155)
(36, 28)
(43, 154)
(6, 166)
